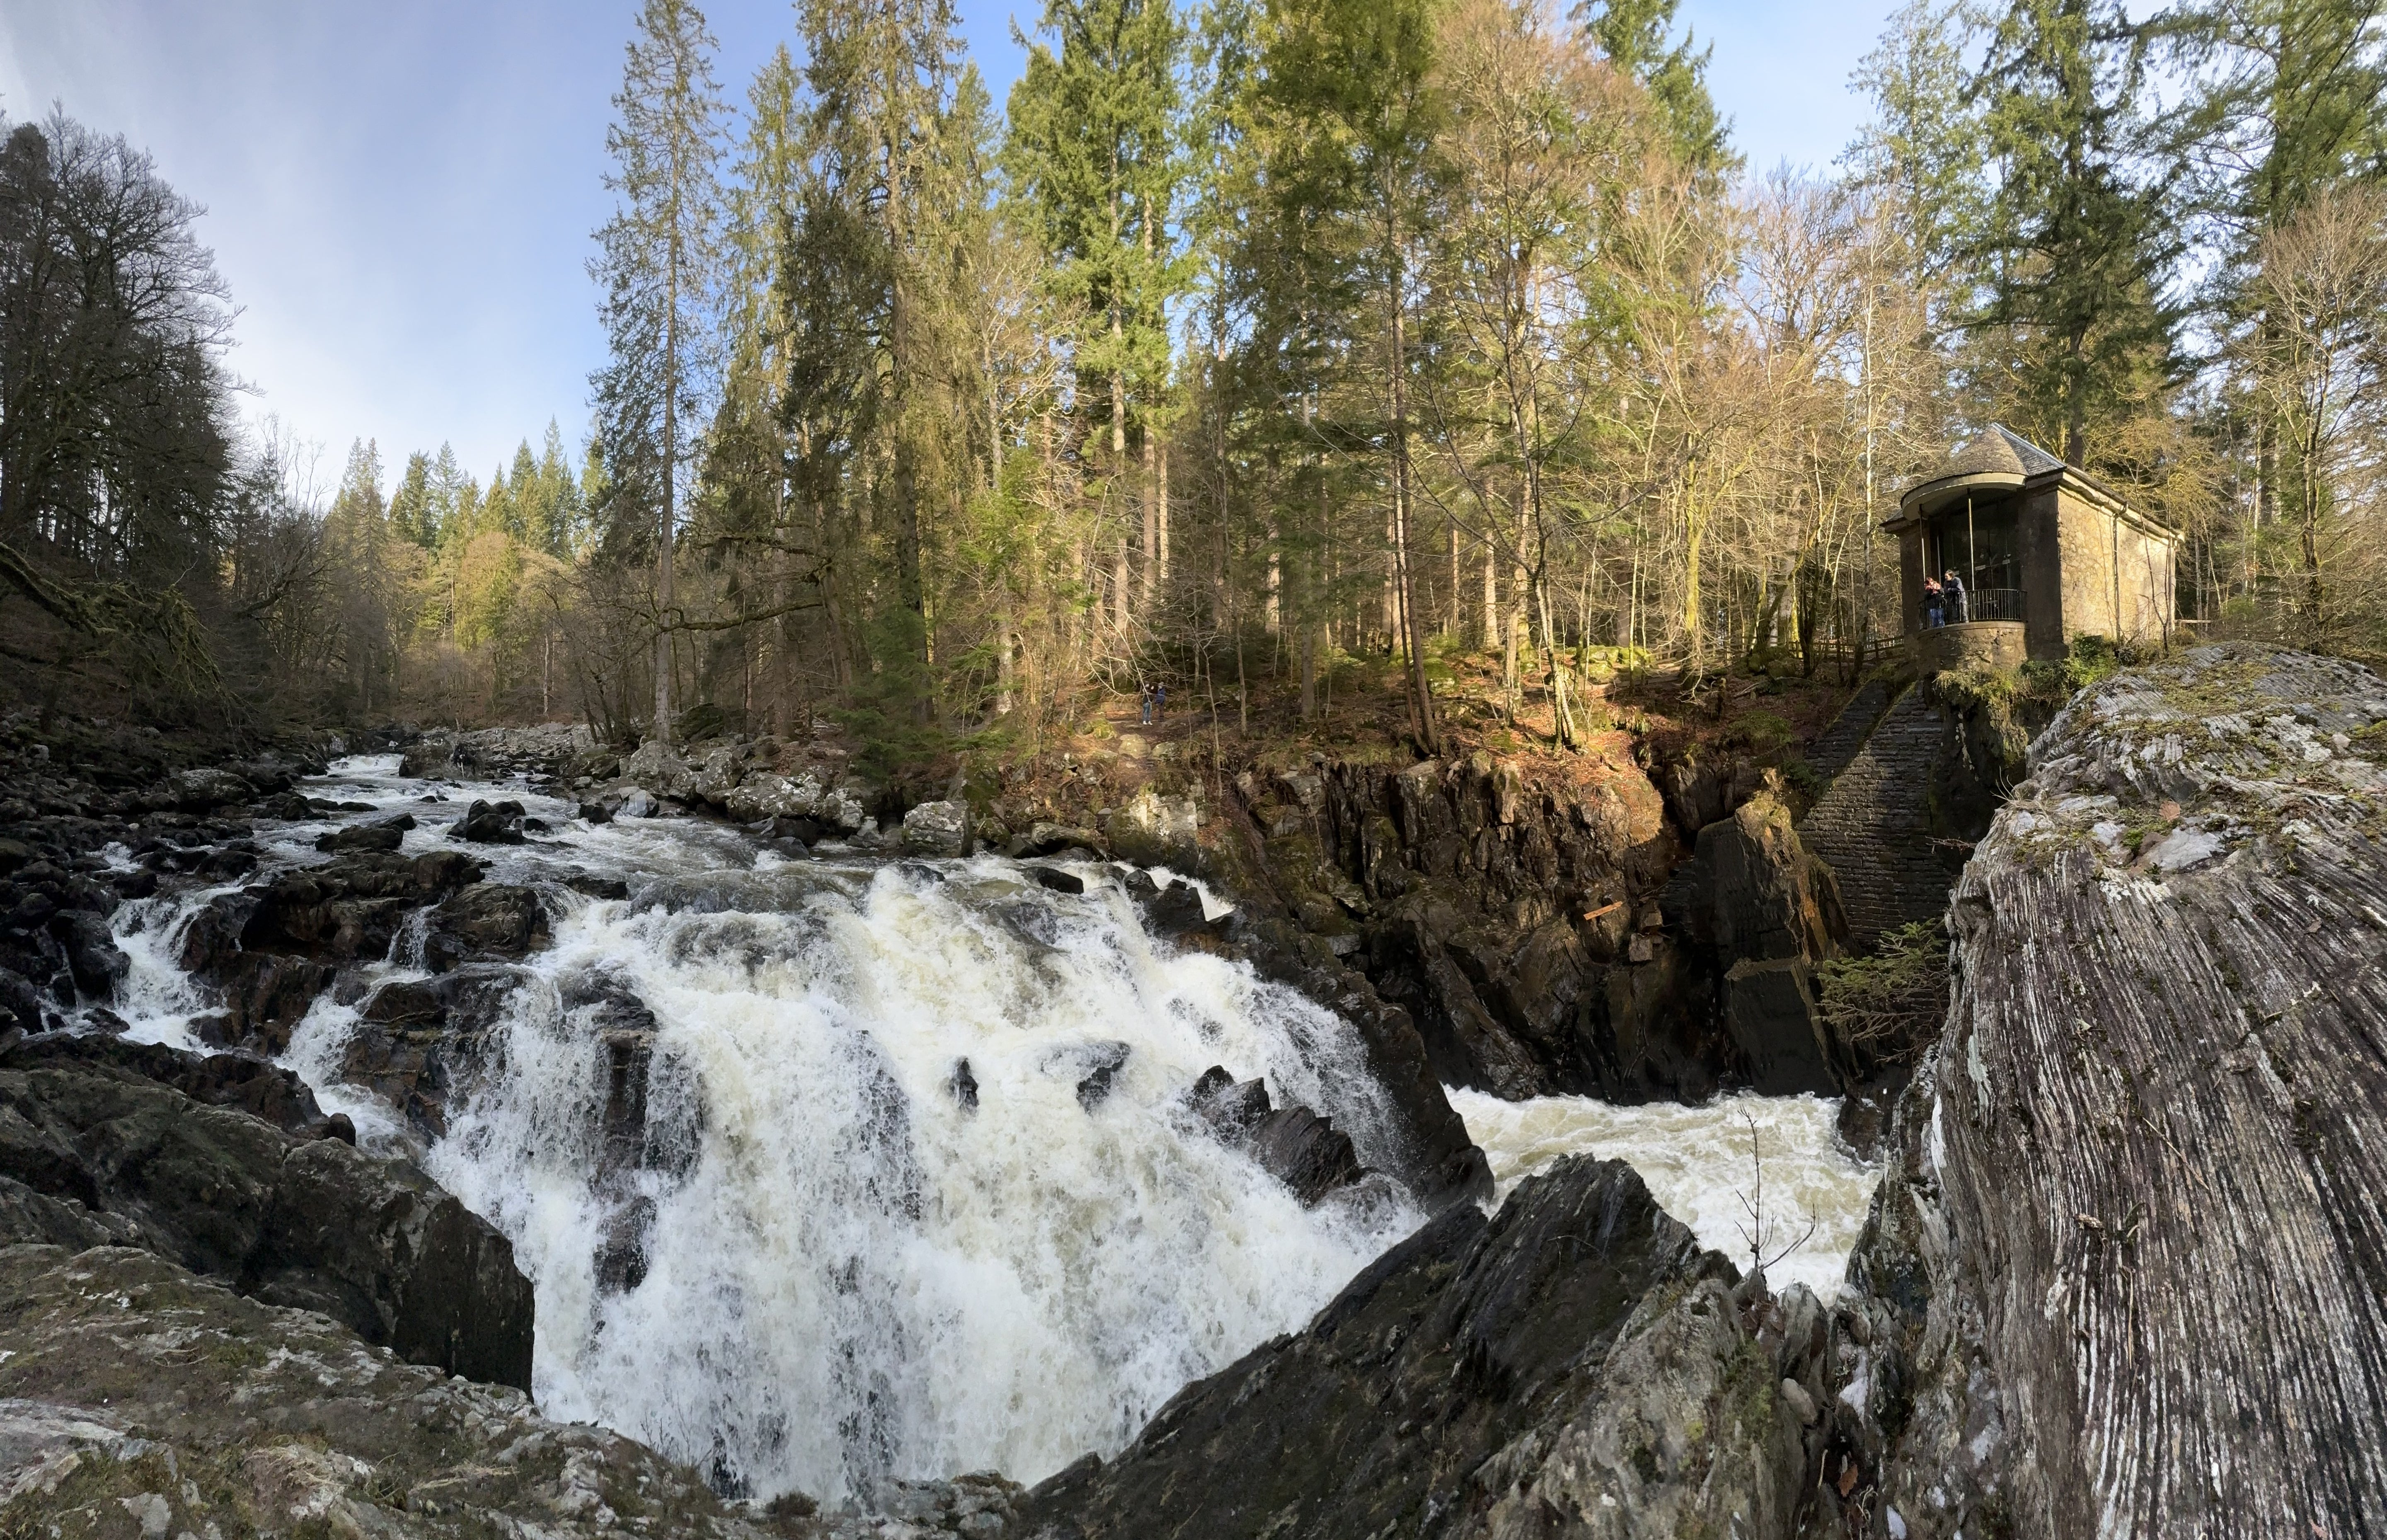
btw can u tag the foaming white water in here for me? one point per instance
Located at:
(859, 1276)
(800, 1259)
(1696, 1163)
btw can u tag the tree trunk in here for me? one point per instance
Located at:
(1421, 697)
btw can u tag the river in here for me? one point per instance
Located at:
(880, 1227)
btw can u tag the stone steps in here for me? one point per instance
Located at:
(1874, 826)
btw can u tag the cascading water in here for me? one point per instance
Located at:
(839, 1170)
(909, 1185)
(1700, 1167)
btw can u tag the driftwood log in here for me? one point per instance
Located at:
(2126, 1277)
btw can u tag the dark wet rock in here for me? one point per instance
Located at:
(597, 813)
(1175, 913)
(491, 824)
(384, 835)
(1054, 879)
(363, 836)
(1294, 1145)
(419, 1043)
(97, 962)
(596, 886)
(1434, 1157)
(1097, 1065)
(290, 1218)
(1574, 1364)
(1435, 878)
(964, 1086)
(274, 948)
(485, 922)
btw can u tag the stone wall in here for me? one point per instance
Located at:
(1989, 644)
(2117, 576)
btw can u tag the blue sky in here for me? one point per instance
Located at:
(401, 196)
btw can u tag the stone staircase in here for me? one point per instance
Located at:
(1872, 825)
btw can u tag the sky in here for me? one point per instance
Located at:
(400, 196)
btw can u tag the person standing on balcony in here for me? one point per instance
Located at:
(1932, 613)
(1952, 588)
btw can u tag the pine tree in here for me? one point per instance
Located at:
(2079, 245)
(1093, 154)
(881, 76)
(1632, 34)
(659, 262)
(1348, 83)
(411, 513)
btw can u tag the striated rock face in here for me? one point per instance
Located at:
(1573, 1365)
(100, 1151)
(2124, 1276)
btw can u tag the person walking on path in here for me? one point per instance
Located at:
(1144, 694)
(1159, 700)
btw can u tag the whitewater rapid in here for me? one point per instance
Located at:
(856, 1260)
(1707, 1166)
(850, 1274)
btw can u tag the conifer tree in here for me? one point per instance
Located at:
(659, 264)
(1093, 154)
(2077, 246)
(1632, 34)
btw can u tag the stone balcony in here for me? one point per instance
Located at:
(1986, 644)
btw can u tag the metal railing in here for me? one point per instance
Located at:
(1984, 605)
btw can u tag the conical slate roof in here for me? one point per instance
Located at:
(2000, 450)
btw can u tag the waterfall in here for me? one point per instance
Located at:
(836, 1170)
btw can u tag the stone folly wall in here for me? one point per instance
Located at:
(2117, 577)
(1989, 644)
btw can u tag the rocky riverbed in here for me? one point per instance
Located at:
(228, 1307)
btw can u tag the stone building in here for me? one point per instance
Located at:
(2046, 554)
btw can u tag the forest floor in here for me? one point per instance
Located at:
(1641, 714)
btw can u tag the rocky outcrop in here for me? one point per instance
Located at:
(1505, 920)
(274, 947)
(1760, 913)
(493, 753)
(2122, 1276)
(1573, 1366)
(100, 1150)
(137, 1399)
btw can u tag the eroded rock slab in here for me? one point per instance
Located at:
(2124, 1276)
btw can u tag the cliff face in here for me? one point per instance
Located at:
(2123, 1277)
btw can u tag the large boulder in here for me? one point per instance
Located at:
(486, 922)
(2123, 1277)
(1761, 911)
(294, 1216)
(1574, 1364)
(935, 828)
(769, 795)
(659, 771)
(204, 790)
